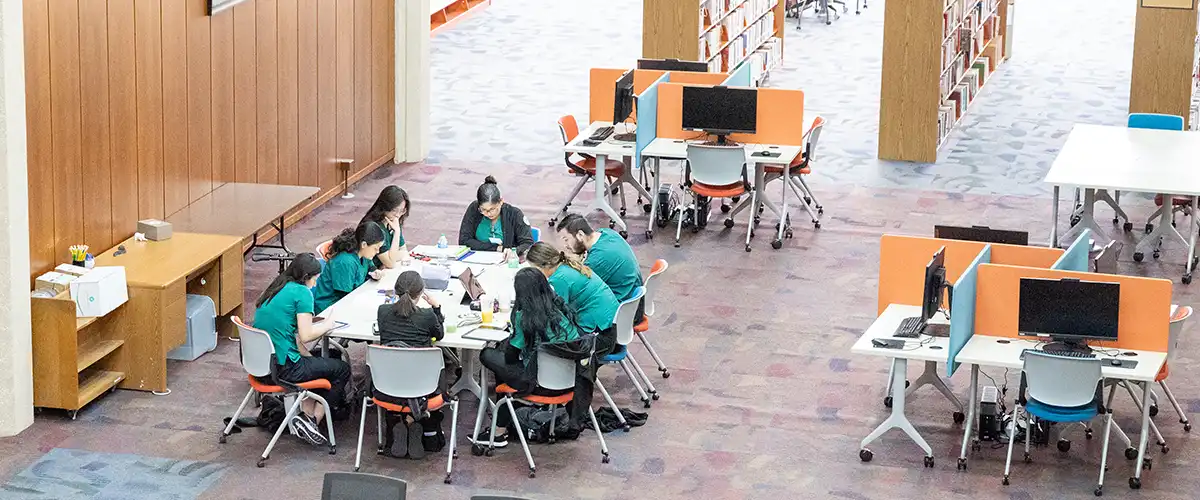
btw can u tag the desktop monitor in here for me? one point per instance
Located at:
(982, 234)
(935, 283)
(720, 111)
(1069, 311)
(673, 65)
(623, 98)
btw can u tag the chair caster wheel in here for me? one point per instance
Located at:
(1149, 228)
(887, 402)
(1135, 483)
(1138, 256)
(645, 403)
(552, 222)
(380, 451)
(356, 469)
(1156, 254)
(728, 223)
(1165, 449)
(726, 208)
(1099, 491)
(865, 455)
(1186, 279)
(676, 244)
(1130, 453)
(262, 462)
(221, 439)
(777, 244)
(1153, 410)
(1028, 459)
(649, 234)
(1005, 481)
(817, 225)
(447, 480)
(622, 212)
(976, 446)
(646, 208)
(929, 462)
(1147, 464)
(532, 473)
(1187, 427)
(667, 374)
(962, 464)
(1128, 227)
(959, 417)
(605, 459)
(747, 248)
(654, 396)
(1087, 434)
(827, 23)
(820, 211)
(1064, 445)
(612, 224)
(627, 427)
(624, 234)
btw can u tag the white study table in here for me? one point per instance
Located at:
(931, 350)
(606, 149)
(1097, 157)
(1001, 352)
(359, 310)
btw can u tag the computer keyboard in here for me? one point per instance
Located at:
(1065, 353)
(601, 133)
(909, 328)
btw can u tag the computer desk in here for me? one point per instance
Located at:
(931, 350)
(1002, 352)
(1097, 157)
(607, 148)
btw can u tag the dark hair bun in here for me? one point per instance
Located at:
(489, 180)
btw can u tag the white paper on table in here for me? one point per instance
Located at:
(484, 258)
(452, 251)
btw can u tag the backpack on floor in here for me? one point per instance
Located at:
(535, 424)
(353, 390)
(270, 415)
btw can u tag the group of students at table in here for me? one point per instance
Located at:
(562, 296)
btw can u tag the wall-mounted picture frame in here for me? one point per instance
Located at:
(1169, 4)
(217, 6)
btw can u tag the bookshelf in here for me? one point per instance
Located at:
(938, 57)
(724, 33)
(443, 13)
(75, 360)
(1163, 74)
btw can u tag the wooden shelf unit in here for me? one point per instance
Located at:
(74, 359)
(937, 57)
(723, 33)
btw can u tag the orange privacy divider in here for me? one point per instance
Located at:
(643, 78)
(902, 261)
(602, 82)
(780, 115)
(1018, 255)
(1142, 324)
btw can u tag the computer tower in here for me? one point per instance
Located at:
(990, 416)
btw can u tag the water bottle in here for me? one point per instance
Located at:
(442, 242)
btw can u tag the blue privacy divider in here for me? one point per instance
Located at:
(740, 77)
(1077, 256)
(647, 118)
(962, 316)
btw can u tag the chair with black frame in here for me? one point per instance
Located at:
(356, 486)
(1060, 389)
(712, 171)
(793, 178)
(258, 359)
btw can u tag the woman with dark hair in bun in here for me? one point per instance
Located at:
(492, 225)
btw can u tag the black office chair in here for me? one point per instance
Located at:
(356, 486)
(496, 497)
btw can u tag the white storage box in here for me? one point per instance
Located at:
(99, 292)
(201, 329)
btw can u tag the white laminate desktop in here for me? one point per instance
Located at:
(603, 151)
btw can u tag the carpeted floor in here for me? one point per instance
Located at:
(765, 400)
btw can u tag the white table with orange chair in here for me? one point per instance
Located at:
(602, 152)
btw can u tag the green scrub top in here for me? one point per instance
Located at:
(278, 318)
(489, 231)
(344, 272)
(570, 332)
(613, 260)
(593, 302)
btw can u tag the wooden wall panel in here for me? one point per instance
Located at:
(199, 100)
(136, 108)
(40, 146)
(175, 105)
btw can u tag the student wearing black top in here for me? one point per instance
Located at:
(492, 225)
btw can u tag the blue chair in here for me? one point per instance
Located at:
(620, 354)
(537, 234)
(1064, 390)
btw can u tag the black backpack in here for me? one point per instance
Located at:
(270, 416)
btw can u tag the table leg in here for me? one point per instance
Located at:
(470, 359)
(654, 208)
(1191, 259)
(1054, 219)
(484, 401)
(1142, 461)
(1087, 219)
(930, 377)
(1153, 241)
(601, 201)
(971, 421)
(897, 420)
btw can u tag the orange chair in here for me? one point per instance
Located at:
(585, 167)
(258, 359)
(323, 251)
(716, 172)
(652, 284)
(793, 177)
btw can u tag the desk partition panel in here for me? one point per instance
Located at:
(1078, 255)
(1021, 255)
(902, 261)
(601, 84)
(740, 77)
(1145, 304)
(780, 116)
(962, 314)
(647, 118)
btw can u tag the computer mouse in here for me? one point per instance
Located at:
(1115, 362)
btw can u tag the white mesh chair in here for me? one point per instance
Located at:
(553, 374)
(652, 283)
(405, 373)
(621, 356)
(354, 486)
(1064, 390)
(716, 172)
(258, 359)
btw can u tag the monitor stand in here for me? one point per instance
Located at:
(629, 135)
(936, 329)
(722, 140)
(1061, 346)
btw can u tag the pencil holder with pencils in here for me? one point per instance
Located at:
(79, 254)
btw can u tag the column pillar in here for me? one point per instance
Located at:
(412, 80)
(16, 363)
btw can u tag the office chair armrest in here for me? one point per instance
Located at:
(745, 178)
(687, 173)
(572, 166)
(1100, 397)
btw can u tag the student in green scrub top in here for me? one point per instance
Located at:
(389, 212)
(540, 316)
(608, 255)
(490, 224)
(285, 312)
(594, 306)
(350, 265)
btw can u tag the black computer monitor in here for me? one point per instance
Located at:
(720, 111)
(1068, 311)
(673, 65)
(982, 234)
(931, 297)
(623, 98)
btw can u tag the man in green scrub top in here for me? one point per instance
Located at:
(608, 255)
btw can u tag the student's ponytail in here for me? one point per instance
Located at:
(544, 256)
(344, 242)
(350, 240)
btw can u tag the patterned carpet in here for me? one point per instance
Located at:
(765, 400)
